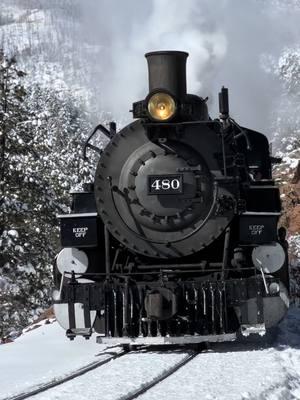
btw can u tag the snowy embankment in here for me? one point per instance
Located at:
(241, 372)
(41, 355)
(226, 372)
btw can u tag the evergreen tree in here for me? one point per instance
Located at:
(13, 135)
(287, 116)
(41, 143)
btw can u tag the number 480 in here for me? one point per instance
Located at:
(166, 184)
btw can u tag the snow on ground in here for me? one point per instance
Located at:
(241, 372)
(222, 375)
(117, 378)
(41, 355)
(228, 371)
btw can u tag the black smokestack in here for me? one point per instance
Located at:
(167, 70)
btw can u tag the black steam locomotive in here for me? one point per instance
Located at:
(176, 241)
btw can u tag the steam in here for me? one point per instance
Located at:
(227, 41)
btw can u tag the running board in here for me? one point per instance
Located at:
(150, 340)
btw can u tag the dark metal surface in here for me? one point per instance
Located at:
(167, 70)
(191, 308)
(223, 103)
(163, 226)
(226, 204)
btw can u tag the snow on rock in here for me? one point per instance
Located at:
(295, 244)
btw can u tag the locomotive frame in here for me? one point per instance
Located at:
(146, 261)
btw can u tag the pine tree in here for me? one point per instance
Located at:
(12, 113)
(41, 144)
(287, 118)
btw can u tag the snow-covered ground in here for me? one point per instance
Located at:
(241, 372)
(41, 355)
(226, 372)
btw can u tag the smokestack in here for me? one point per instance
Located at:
(167, 70)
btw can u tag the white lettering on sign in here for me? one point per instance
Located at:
(80, 232)
(166, 184)
(256, 230)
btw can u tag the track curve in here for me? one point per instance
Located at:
(159, 378)
(59, 381)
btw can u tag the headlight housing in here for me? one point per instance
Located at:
(161, 106)
(72, 259)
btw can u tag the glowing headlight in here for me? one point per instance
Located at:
(161, 106)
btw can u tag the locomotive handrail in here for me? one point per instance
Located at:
(243, 133)
(76, 215)
(198, 122)
(102, 129)
(261, 213)
(168, 269)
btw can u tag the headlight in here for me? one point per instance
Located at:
(269, 257)
(161, 106)
(72, 259)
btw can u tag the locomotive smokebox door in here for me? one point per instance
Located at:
(78, 230)
(165, 184)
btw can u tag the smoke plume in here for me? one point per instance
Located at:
(101, 46)
(227, 41)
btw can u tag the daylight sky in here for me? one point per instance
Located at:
(99, 47)
(231, 43)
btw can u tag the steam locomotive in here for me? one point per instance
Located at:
(176, 241)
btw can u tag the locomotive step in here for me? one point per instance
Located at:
(163, 340)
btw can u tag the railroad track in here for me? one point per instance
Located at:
(59, 381)
(165, 374)
(130, 396)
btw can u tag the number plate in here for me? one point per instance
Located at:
(165, 184)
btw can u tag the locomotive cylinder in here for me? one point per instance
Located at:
(167, 70)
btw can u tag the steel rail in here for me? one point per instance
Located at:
(59, 381)
(144, 388)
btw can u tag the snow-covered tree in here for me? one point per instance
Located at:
(40, 159)
(287, 116)
(288, 69)
(286, 127)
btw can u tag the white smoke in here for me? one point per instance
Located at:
(227, 41)
(160, 25)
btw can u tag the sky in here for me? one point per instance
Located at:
(101, 45)
(230, 42)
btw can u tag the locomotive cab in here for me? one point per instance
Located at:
(177, 242)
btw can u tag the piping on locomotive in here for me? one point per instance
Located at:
(176, 240)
